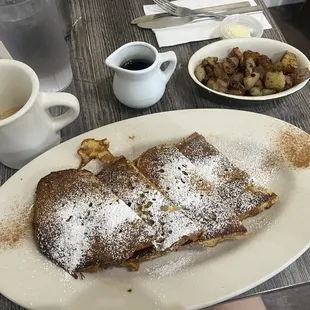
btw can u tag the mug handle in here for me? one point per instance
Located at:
(50, 100)
(172, 59)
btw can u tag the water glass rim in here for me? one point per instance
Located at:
(10, 5)
(17, 11)
(3, 3)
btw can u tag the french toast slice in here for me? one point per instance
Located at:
(176, 177)
(231, 184)
(171, 226)
(79, 224)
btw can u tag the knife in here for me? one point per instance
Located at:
(173, 21)
(149, 18)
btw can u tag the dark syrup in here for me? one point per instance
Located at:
(136, 64)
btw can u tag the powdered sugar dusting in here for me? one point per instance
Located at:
(178, 179)
(88, 226)
(231, 185)
(71, 244)
(210, 171)
(260, 162)
(175, 265)
(167, 220)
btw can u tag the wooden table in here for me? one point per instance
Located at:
(101, 27)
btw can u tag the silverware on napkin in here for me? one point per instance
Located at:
(181, 11)
(223, 7)
(173, 21)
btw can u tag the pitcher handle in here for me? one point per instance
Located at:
(167, 57)
(50, 100)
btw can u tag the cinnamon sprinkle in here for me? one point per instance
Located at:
(15, 229)
(294, 146)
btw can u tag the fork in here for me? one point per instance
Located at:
(182, 11)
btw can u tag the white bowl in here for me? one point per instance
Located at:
(272, 48)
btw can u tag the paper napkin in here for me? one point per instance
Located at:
(198, 31)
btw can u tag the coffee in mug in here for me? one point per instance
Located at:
(9, 112)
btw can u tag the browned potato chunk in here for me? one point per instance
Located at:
(220, 73)
(249, 54)
(209, 71)
(228, 66)
(250, 73)
(277, 66)
(236, 85)
(218, 70)
(212, 61)
(249, 66)
(235, 52)
(289, 62)
(237, 77)
(241, 67)
(288, 82)
(250, 80)
(262, 72)
(213, 84)
(235, 60)
(256, 91)
(300, 75)
(264, 61)
(235, 92)
(259, 84)
(266, 91)
(200, 73)
(275, 80)
(222, 83)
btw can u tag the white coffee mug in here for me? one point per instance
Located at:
(32, 129)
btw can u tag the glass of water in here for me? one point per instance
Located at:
(32, 32)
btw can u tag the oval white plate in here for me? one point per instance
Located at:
(189, 278)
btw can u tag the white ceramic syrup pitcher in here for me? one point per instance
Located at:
(143, 86)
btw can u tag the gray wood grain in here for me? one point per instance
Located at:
(292, 299)
(101, 27)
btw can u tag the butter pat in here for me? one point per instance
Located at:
(238, 31)
(240, 26)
